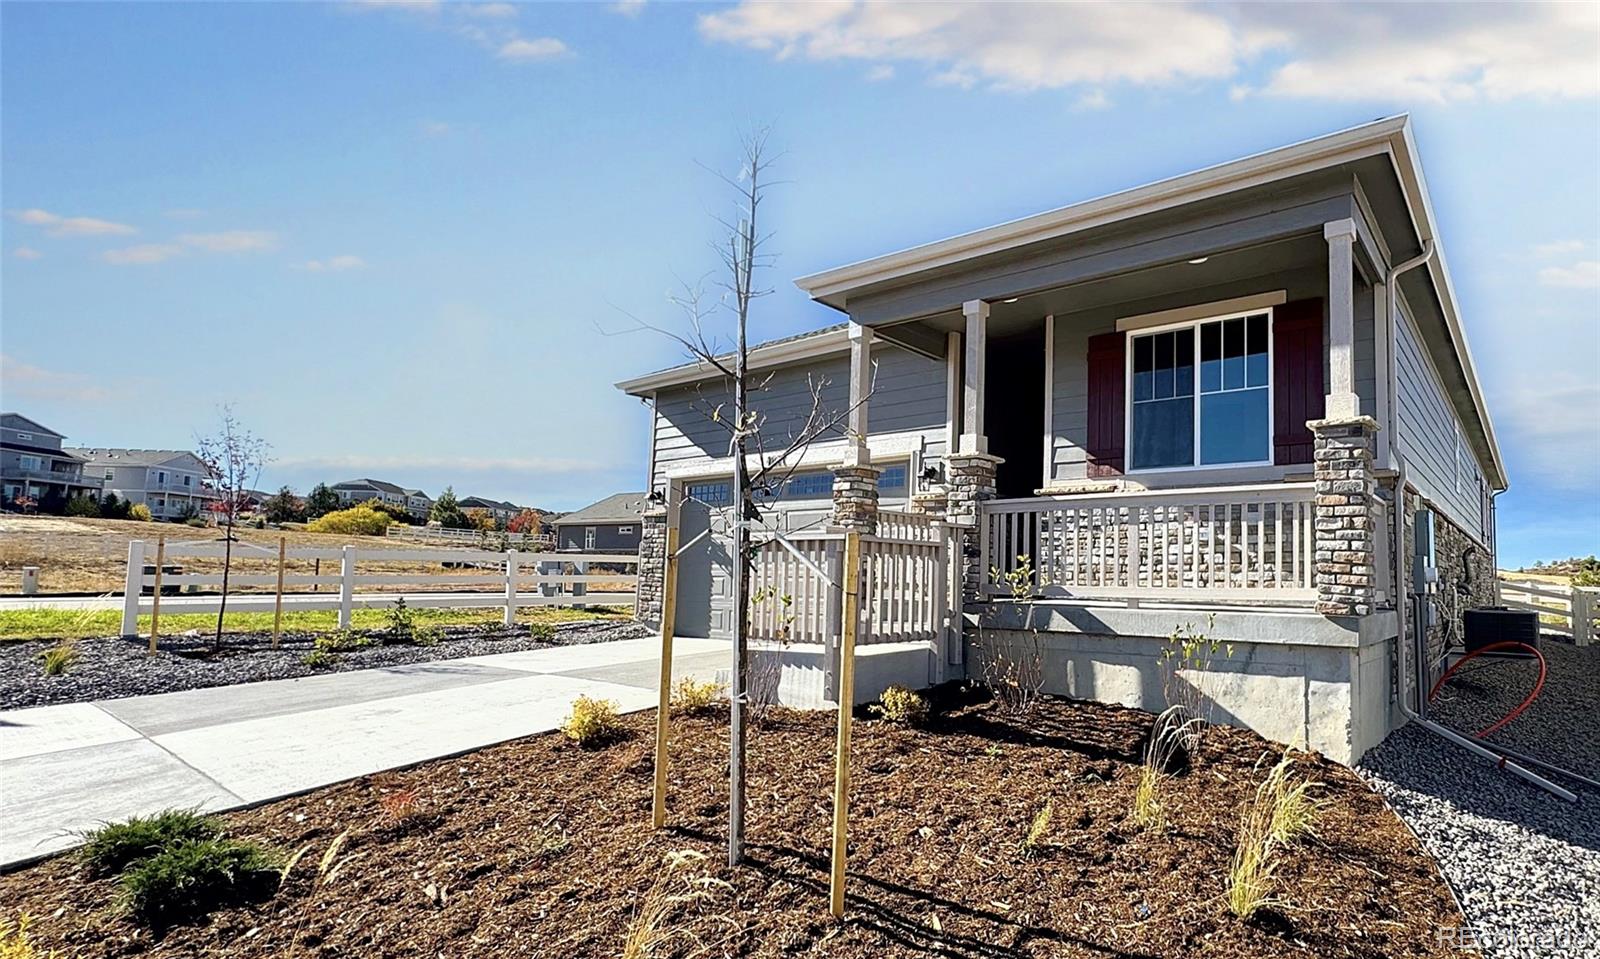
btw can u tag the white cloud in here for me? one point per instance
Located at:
(433, 129)
(1093, 100)
(1558, 248)
(1582, 275)
(26, 253)
(539, 48)
(1415, 52)
(230, 241)
(882, 71)
(489, 11)
(58, 225)
(24, 381)
(143, 254)
(334, 264)
(1552, 424)
(628, 8)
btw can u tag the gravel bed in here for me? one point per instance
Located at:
(112, 667)
(1524, 864)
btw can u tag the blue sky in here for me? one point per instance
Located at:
(388, 233)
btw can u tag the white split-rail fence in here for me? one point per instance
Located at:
(1574, 606)
(517, 579)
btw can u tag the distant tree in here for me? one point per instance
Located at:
(321, 501)
(394, 511)
(53, 502)
(113, 508)
(233, 457)
(82, 506)
(284, 507)
(526, 522)
(140, 512)
(447, 512)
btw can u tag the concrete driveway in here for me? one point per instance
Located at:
(67, 768)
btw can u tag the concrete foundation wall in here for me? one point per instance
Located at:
(1297, 679)
(803, 676)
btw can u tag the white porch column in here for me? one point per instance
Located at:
(857, 452)
(973, 437)
(1342, 402)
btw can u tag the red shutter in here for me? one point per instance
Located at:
(1107, 403)
(1297, 387)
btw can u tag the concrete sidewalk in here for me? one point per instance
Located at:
(68, 768)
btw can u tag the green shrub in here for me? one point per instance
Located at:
(901, 705)
(340, 641)
(58, 658)
(320, 659)
(140, 512)
(198, 522)
(113, 508)
(191, 879)
(360, 520)
(692, 696)
(593, 722)
(114, 846)
(542, 631)
(82, 506)
(426, 635)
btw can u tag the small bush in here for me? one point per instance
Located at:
(140, 512)
(399, 806)
(58, 658)
(1294, 812)
(340, 641)
(593, 722)
(192, 879)
(82, 506)
(1034, 842)
(198, 522)
(14, 940)
(361, 520)
(542, 631)
(426, 635)
(320, 659)
(901, 705)
(693, 696)
(114, 846)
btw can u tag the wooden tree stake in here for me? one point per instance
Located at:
(847, 695)
(669, 608)
(155, 593)
(277, 606)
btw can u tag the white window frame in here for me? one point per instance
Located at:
(27, 437)
(1194, 325)
(588, 537)
(26, 458)
(624, 530)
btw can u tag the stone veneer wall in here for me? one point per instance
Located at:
(1345, 558)
(855, 498)
(969, 480)
(1454, 595)
(649, 595)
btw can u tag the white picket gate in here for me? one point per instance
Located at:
(1576, 606)
(518, 579)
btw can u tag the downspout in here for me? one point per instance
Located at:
(1411, 666)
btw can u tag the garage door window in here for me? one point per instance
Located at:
(711, 494)
(892, 480)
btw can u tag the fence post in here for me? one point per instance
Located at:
(155, 592)
(1583, 615)
(847, 690)
(133, 585)
(347, 585)
(580, 589)
(669, 609)
(511, 587)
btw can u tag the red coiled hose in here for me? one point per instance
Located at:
(1508, 717)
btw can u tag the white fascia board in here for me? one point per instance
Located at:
(1329, 150)
(762, 357)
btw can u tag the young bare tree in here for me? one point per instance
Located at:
(763, 460)
(234, 457)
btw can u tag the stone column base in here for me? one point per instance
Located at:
(855, 498)
(969, 479)
(1346, 561)
(650, 594)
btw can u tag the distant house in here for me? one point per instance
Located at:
(33, 464)
(418, 503)
(362, 490)
(172, 483)
(499, 510)
(609, 526)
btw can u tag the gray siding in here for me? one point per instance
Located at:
(1427, 431)
(608, 537)
(908, 396)
(1070, 399)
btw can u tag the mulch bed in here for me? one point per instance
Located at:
(113, 667)
(540, 848)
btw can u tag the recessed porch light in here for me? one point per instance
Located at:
(1012, 300)
(1199, 260)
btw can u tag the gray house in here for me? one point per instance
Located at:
(172, 483)
(34, 466)
(501, 511)
(1225, 397)
(609, 526)
(354, 491)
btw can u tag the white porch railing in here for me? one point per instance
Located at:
(1240, 542)
(907, 589)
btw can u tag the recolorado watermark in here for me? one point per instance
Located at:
(1548, 941)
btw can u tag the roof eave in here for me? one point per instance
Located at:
(776, 354)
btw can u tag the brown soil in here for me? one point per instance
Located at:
(540, 848)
